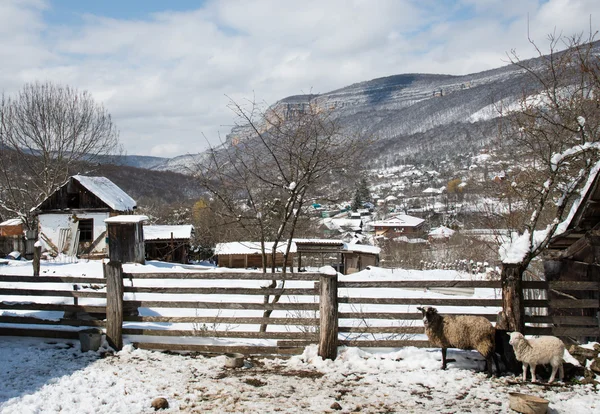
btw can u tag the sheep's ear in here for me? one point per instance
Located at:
(508, 333)
(420, 309)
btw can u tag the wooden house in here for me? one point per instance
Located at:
(168, 243)
(573, 260)
(71, 219)
(400, 225)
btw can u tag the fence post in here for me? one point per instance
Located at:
(37, 256)
(328, 309)
(113, 272)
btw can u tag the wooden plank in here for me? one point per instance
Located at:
(401, 316)
(328, 313)
(219, 334)
(383, 329)
(563, 331)
(54, 293)
(39, 333)
(572, 285)
(113, 272)
(422, 301)
(224, 320)
(535, 330)
(573, 304)
(386, 344)
(225, 276)
(563, 320)
(59, 307)
(222, 291)
(215, 349)
(52, 279)
(27, 320)
(418, 284)
(222, 305)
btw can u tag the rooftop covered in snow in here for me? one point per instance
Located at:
(164, 232)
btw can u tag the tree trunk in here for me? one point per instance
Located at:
(513, 309)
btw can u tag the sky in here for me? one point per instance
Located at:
(166, 71)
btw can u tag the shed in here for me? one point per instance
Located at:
(168, 243)
(249, 254)
(12, 227)
(126, 238)
(71, 219)
(573, 256)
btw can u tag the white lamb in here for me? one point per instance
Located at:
(539, 351)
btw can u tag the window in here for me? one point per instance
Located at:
(86, 230)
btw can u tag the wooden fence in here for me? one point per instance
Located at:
(198, 311)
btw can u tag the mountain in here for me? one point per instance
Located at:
(415, 117)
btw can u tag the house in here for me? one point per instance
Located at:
(71, 219)
(400, 225)
(168, 243)
(440, 234)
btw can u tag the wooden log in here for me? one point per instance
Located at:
(222, 305)
(328, 309)
(398, 316)
(52, 307)
(54, 293)
(382, 329)
(220, 334)
(432, 301)
(39, 333)
(215, 349)
(51, 279)
(208, 275)
(224, 320)
(222, 291)
(37, 257)
(113, 273)
(26, 320)
(386, 344)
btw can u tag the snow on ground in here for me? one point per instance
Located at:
(40, 376)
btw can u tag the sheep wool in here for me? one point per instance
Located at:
(539, 351)
(460, 331)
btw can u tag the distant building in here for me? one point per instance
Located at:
(400, 225)
(440, 234)
(71, 219)
(168, 243)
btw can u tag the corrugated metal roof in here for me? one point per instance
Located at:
(163, 232)
(108, 192)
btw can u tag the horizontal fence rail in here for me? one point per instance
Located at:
(187, 312)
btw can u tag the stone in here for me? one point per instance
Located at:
(595, 365)
(336, 406)
(582, 354)
(160, 403)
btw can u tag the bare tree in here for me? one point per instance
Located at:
(45, 131)
(552, 139)
(278, 159)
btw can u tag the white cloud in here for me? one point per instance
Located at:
(165, 77)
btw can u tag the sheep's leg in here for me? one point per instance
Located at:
(444, 358)
(561, 372)
(488, 362)
(498, 372)
(553, 375)
(524, 372)
(533, 378)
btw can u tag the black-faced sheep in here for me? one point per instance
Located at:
(539, 351)
(460, 331)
